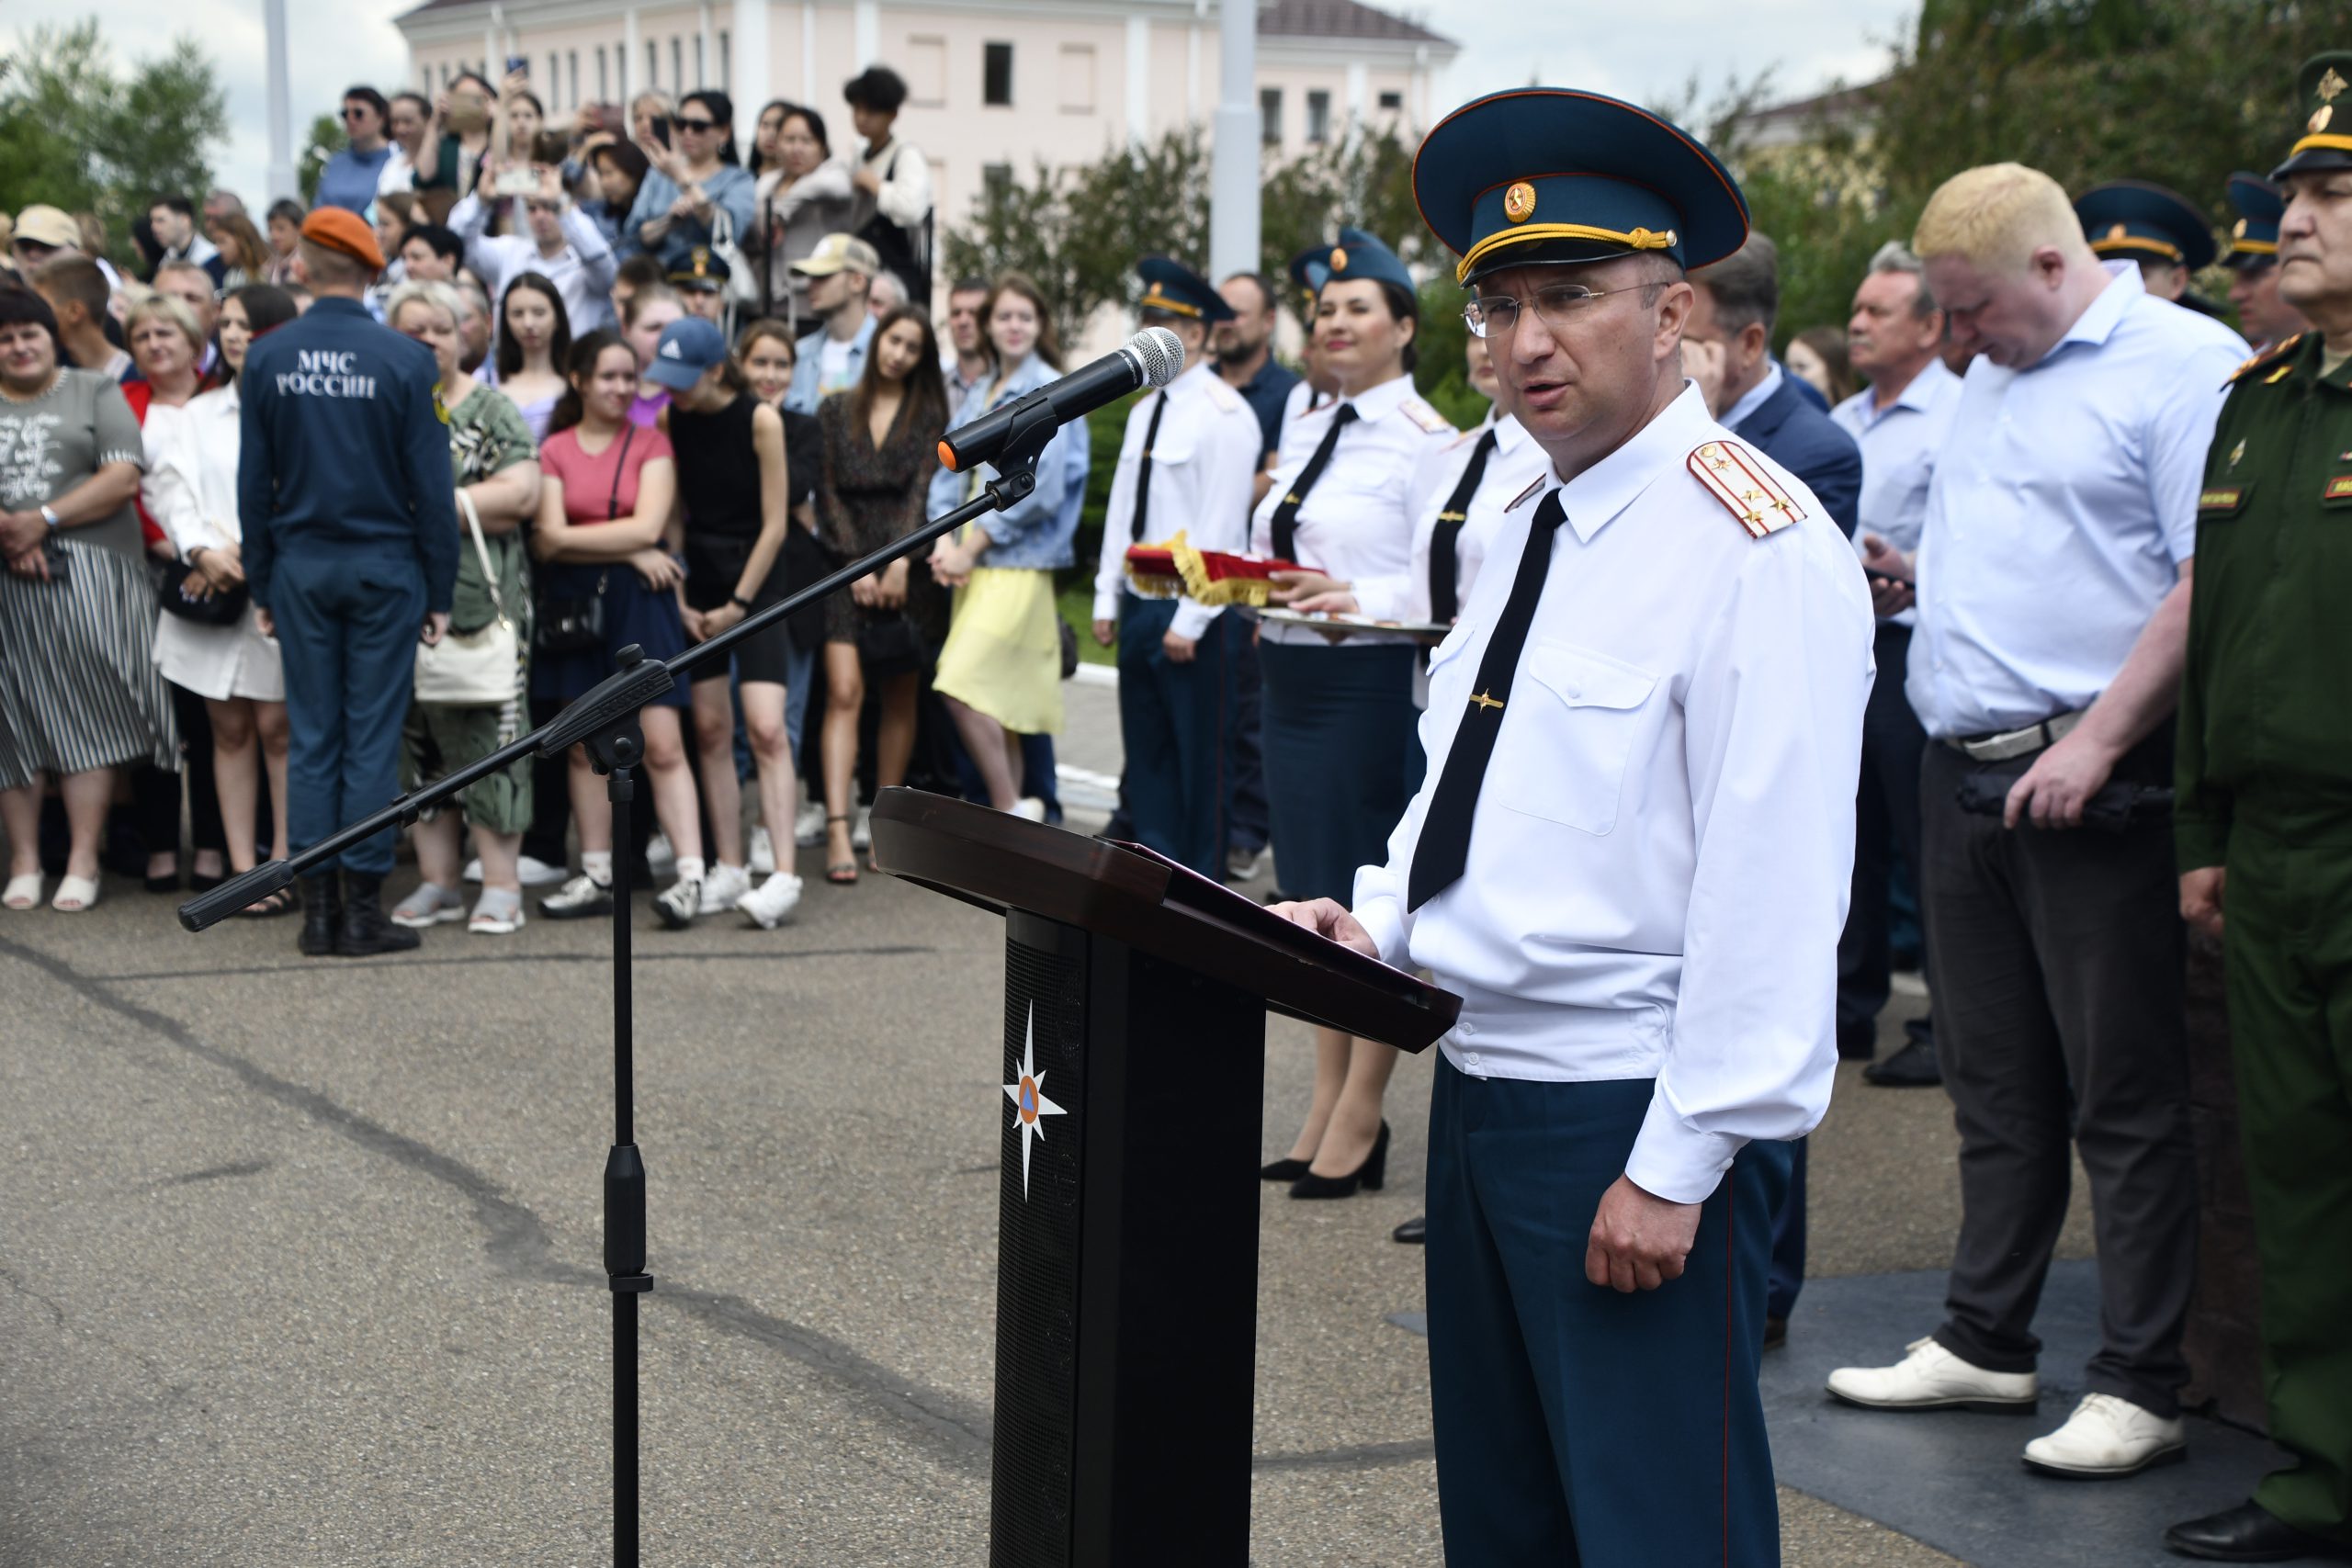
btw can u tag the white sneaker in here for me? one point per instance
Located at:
(769, 903)
(1029, 809)
(763, 856)
(861, 828)
(678, 905)
(723, 885)
(808, 825)
(2107, 1436)
(534, 871)
(1931, 1377)
(658, 856)
(579, 899)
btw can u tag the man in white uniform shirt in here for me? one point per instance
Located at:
(1630, 860)
(2052, 584)
(1899, 420)
(1186, 464)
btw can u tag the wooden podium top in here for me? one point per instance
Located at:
(1127, 893)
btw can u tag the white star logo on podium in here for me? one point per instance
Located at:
(1028, 1096)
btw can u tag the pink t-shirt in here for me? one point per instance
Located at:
(589, 495)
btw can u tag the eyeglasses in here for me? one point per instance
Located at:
(353, 112)
(1495, 315)
(697, 125)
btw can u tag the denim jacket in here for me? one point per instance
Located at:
(1031, 533)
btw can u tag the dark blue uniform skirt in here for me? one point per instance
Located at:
(1576, 1424)
(633, 613)
(1339, 742)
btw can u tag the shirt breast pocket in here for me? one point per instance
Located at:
(1573, 720)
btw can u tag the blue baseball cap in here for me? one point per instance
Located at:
(689, 346)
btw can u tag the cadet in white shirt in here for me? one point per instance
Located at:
(1631, 862)
(1900, 420)
(2053, 588)
(1185, 465)
(1337, 722)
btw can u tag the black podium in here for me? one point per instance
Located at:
(1135, 995)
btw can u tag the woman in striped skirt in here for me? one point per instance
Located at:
(80, 695)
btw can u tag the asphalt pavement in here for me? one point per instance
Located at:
(302, 1263)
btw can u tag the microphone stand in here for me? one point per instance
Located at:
(605, 720)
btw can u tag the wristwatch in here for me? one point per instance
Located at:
(49, 516)
(740, 602)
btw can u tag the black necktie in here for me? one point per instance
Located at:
(1444, 846)
(1143, 469)
(1444, 567)
(1286, 515)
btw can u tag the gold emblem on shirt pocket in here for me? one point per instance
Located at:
(1575, 717)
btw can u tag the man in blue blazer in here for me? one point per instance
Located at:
(1728, 350)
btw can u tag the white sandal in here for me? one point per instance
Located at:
(75, 895)
(22, 892)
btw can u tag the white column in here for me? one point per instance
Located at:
(706, 51)
(1358, 109)
(1233, 167)
(629, 55)
(753, 67)
(281, 182)
(870, 32)
(494, 46)
(1139, 78)
(1193, 65)
(807, 52)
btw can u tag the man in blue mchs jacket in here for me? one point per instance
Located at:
(351, 553)
(1728, 350)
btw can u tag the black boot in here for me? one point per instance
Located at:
(364, 930)
(322, 912)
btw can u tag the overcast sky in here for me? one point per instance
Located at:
(1645, 52)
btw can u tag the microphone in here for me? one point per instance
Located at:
(1153, 358)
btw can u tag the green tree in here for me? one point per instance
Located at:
(324, 142)
(77, 133)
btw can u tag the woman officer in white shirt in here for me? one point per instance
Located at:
(1345, 482)
(190, 490)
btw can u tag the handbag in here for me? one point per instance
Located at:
(742, 289)
(476, 669)
(221, 607)
(576, 624)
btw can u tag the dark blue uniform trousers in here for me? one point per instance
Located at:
(1576, 1424)
(1172, 721)
(347, 623)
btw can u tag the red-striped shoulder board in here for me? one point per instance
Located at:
(1737, 478)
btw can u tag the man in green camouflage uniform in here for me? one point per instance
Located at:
(2265, 828)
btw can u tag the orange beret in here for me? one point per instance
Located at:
(339, 228)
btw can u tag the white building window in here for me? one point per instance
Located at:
(1270, 116)
(927, 72)
(1078, 78)
(652, 66)
(702, 65)
(726, 63)
(552, 93)
(996, 75)
(1318, 118)
(678, 64)
(572, 63)
(1391, 103)
(995, 179)
(603, 76)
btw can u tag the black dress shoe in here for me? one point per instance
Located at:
(2248, 1533)
(1282, 1170)
(1914, 1066)
(1776, 1333)
(1414, 1232)
(1369, 1175)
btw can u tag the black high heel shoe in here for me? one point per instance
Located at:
(1283, 1170)
(1369, 1175)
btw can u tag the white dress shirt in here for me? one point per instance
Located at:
(1659, 861)
(1899, 445)
(1297, 400)
(1202, 464)
(2063, 504)
(1516, 463)
(190, 490)
(581, 272)
(1357, 523)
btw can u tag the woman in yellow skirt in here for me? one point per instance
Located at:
(1000, 671)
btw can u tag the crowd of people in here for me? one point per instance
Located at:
(301, 515)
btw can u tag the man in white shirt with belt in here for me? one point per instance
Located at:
(2052, 584)
(1185, 465)
(1894, 337)
(1630, 860)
